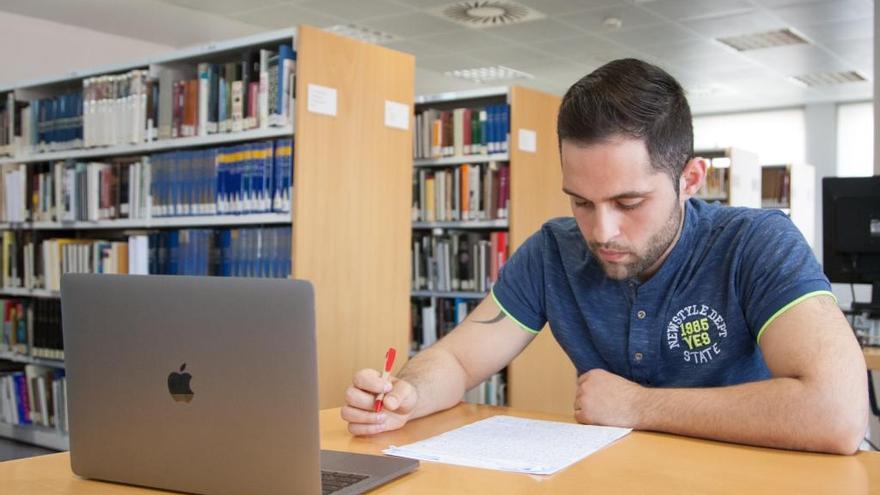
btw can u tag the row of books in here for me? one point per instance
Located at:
(119, 109)
(492, 391)
(32, 328)
(255, 91)
(248, 178)
(433, 318)
(34, 396)
(717, 180)
(14, 333)
(13, 186)
(775, 187)
(54, 123)
(44, 265)
(458, 261)
(10, 127)
(462, 193)
(462, 131)
(247, 252)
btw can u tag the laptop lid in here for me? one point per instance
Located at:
(196, 384)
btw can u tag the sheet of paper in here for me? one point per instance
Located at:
(528, 140)
(396, 115)
(322, 100)
(509, 443)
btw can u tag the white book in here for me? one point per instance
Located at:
(146, 180)
(263, 96)
(56, 402)
(43, 401)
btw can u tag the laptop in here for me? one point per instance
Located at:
(203, 385)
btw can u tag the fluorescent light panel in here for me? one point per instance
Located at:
(768, 39)
(362, 33)
(830, 78)
(492, 73)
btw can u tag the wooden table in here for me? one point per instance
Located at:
(639, 463)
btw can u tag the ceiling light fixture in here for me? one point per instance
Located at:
(480, 14)
(818, 79)
(492, 73)
(362, 33)
(767, 39)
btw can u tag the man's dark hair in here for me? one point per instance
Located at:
(634, 99)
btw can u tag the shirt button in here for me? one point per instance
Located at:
(641, 314)
(638, 356)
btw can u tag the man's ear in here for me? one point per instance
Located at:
(692, 178)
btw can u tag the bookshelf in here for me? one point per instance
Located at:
(348, 220)
(534, 197)
(733, 177)
(792, 189)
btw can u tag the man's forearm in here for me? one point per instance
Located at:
(781, 413)
(439, 379)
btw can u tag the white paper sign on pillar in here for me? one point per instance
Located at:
(322, 100)
(528, 141)
(396, 115)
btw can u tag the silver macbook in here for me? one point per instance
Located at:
(201, 384)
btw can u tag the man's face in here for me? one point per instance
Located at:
(628, 212)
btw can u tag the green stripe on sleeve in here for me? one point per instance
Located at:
(789, 306)
(527, 329)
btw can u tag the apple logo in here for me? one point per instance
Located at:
(178, 385)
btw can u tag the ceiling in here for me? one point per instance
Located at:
(568, 42)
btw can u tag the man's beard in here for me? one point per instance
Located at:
(657, 245)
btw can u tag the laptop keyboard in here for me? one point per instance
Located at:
(332, 481)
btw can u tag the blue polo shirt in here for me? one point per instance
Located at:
(695, 323)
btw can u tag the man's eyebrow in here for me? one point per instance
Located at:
(623, 195)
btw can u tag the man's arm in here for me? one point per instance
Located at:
(438, 377)
(816, 400)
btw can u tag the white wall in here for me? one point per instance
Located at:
(34, 48)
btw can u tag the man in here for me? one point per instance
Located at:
(680, 316)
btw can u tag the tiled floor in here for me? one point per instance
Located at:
(13, 450)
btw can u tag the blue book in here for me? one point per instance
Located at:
(173, 242)
(21, 399)
(224, 250)
(153, 264)
(213, 183)
(505, 126)
(248, 176)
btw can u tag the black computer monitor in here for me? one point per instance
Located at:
(851, 233)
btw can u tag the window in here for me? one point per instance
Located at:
(777, 136)
(855, 139)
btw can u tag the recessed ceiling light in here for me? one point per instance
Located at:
(612, 23)
(710, 90)
(480, 14)
(767, 39)
(485, 74)
(362, 33)
(829, 78)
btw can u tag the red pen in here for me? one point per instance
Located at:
(389, 363)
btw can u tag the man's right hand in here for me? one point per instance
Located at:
(360, 397)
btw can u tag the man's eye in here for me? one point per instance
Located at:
(629, 205)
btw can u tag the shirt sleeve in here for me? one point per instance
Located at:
(777, 271)
(519, 291)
